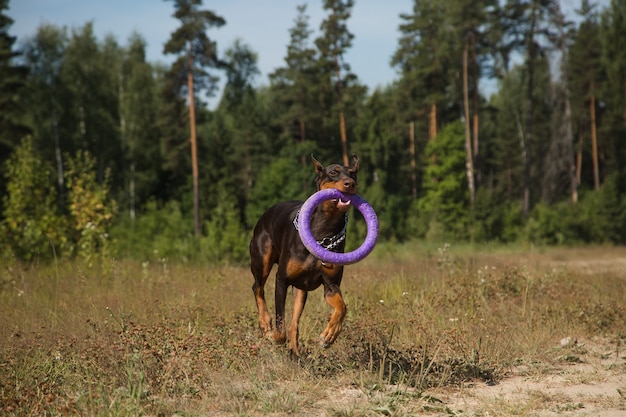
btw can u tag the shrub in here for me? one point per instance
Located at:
(156, 233)
(32, 228)
(91, 209)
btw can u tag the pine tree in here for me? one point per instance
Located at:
(196, 52)
(613, 60)
(12, 81)
(293, 84)
(424, 62)
(335, 40)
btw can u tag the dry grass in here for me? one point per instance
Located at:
(163, 339)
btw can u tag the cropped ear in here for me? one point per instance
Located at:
(319, 168)
(355, 163)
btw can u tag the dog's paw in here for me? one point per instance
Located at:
(279, 337)
(327, 340)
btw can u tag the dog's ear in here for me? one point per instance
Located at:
(319, 168)
(355, 163)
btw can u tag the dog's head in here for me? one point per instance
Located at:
(337, 176)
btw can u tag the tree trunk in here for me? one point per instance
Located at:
(475, 112)
(413, 163)
(59, 157)
(579, 157)
(194, 148)
(344, 139)
(468, 140)
(432, 121)
(528, 122)
(342, 120)
(302, 125)
(131, 190)
(594, 137)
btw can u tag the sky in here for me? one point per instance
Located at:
(263, 25)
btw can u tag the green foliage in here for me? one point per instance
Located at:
(13, 76)
(161, 233)
(495, 220)
(157, 233)
(599, 217)
(90, 208)
(282, 180)
(32, 228)
(226, 239)
(443, 211)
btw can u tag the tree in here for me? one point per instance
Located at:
(12, 80)
(333, 44)
(425, 68)
(90, 99)
(533, 35)
(445, 205)
(196, 52)
(293, 84)
(586, 75)
(238, 129)
(138, 108)
(471, 29)
(44, 55)
(34, 229)
(613, 60)
(560, 171)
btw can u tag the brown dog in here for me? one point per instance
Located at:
(276, 241)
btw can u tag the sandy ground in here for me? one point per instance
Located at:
(590, 381)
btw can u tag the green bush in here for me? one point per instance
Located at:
(32, 227)
(599, 217)
(226, 239)
(284, 179)
(91, 210)
(157, 233)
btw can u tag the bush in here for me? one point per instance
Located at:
(32, 227)
(226, 239)
(91, 209)
(156, 233)
(599, 217)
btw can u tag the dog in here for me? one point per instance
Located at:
(276, 240)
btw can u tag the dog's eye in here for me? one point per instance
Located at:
(333, 173)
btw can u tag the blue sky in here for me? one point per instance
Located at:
(265, 28)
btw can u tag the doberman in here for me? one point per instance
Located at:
(276, 241)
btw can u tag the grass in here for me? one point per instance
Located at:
(128, 338)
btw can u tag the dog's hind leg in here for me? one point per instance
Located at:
(298, 305)
(261, 265)
(281, 295)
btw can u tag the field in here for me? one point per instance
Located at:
(430, 331)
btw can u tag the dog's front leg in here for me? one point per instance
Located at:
(333, 328)
(299, 301)
(280, 297)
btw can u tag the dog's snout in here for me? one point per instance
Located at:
(349, 183)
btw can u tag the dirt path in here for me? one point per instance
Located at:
(590, 381)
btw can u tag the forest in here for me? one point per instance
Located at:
(103, 153)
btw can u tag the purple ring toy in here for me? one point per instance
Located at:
(304, 227)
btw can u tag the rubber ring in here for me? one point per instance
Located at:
(304, 227)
